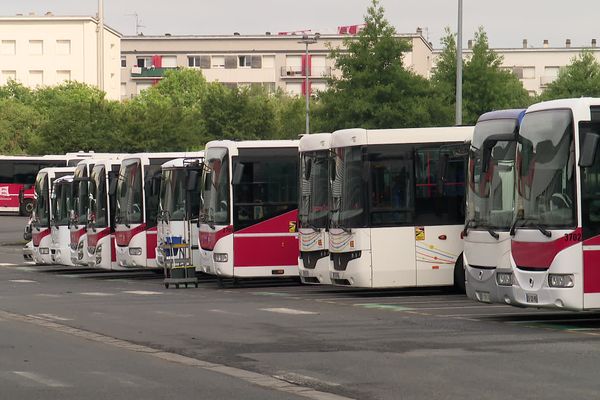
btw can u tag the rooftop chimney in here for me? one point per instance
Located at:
(545, 43)
(49, 14)
(470, 44)
(236, 34)
(167, 34)
(31, 14)
(419, 31)
(524, 43)
(268, 33)
(593, 42)
(568, 43)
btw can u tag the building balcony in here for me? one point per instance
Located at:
(298, 72)
(148, 73)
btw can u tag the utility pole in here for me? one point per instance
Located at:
(459, 59)
(307, 40)
(100, 45)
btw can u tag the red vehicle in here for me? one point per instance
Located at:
(17, 178)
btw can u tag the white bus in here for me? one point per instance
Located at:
(42, 213)
(101, 245)
(555, 250)
(490, 202)
(61, 205)
(313, 209)
(136, 213)
(179, 205)
(249, 209)
(397, 208)
(78, 218)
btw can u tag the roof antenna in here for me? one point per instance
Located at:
(137, 22)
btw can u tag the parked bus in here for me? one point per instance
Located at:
(397, 207)
(101, 244)
(42, 213)
(137, 196)
(555, 250)
(61, 205)
(250, 209)
(79, 216)
(313, 209)
(179, 205)
(17, 178)
(490, 202)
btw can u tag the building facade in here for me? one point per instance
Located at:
(48, 50)
(272, 61)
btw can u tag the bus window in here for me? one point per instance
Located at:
(590, 187)
(25, 173)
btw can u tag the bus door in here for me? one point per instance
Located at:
(439, 211)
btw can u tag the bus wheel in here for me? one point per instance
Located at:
(26, 208)
(459, 275)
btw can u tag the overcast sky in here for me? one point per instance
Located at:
(507, 22)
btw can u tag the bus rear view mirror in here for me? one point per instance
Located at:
(238, 172)
(192, 180)
(112, 188)
(588, 149)
(307, 168)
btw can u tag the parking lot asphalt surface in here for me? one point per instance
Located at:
(94, 331)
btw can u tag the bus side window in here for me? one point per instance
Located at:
(590, 187)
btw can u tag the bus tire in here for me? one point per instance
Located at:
(459, 275)
(26, 207)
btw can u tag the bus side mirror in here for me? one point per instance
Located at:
(587, 151)
(307, 168)
(442, 169)
(237, 173)
(112, 188)
(155, 185)
(192, 180)
(486, 155)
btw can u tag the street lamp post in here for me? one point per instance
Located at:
(100, 44)
(459, 64)
(307, 40)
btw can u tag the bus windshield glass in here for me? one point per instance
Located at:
(80, 194)
(491, 187)
(348, 189)
(98, 197)
(42, 204)
(215, 187)
(129, 193)
(546, 170)
(173, 193)
(61, 203)
(314, 203)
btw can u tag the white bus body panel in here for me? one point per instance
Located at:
(138, 241)
(314, 241)
(41, 254)
(60, 249)
(437, 254)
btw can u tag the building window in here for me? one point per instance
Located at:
(123, 62)
(169, 61)
(230, 85)
(217, 62)
(63, 47)
(141, 86)
(8, 76)
(268, 61)
(318, 86)
(36, 47)
(269, 87)
(144, 62)
(36, 78)
(528, 72)
(199, 62)
(294, 88)
(63, 76)
(123, 90)
(551, 72)
(231, 62)
(250, 61)
(8, 48)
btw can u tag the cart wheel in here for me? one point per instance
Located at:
(220, 282)
(166, 285)
(196, 285)
(177, 286)
(186, 285)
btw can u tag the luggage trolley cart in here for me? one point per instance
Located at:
(178, 267)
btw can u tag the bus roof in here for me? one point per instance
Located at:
(64, 179)
(249, 144)
(315, 141)
(515, 113)
(53, 170)
(181, 162)
(356, 137)
(32, 158)
(579, 106)
(146, 157)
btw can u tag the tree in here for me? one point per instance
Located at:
(486, 86)
(375, 90)
(580, 78)
(18, 125)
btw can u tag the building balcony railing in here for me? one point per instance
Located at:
(298, 72)
(152, 72)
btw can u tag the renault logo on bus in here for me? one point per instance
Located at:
(480, 275)
(531, 282)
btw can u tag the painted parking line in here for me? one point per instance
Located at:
(379, 306)
(99, 294)
(142, 292)
(291, 311)
(173, 314)
(51, 295)
(22, 281)
(40, 379)
(51, 317)
(7, 265)
(280, 294)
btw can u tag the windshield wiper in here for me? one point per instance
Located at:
(544, 231)
(492, 232)
(539, 227)
(467, 224)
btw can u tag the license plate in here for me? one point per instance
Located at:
(334, 275)
(531, 298)
(304, 273)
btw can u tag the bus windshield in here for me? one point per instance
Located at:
(61, 203)
(314, 208)
(348, 189)
(42, 204)
(215, 187)
(98, 197)
(173, 193)
(129, 193)
(490, 198)
(80, 194)
(546, 181)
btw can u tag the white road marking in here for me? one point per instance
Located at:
(7, 265)
(22, 281)
(303, 379)
(174, 314)
(96, 294)
(40, 379)
(52, 317)
(141, 292)
(291, 311)
(224, 312)
(26, 269)
(48, 295)
(29, 262)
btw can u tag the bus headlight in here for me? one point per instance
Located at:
(135, 251)
(44, 250)
(561, 280)
(504, 278)
(220, 257)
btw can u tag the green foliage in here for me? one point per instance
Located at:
(375, 89)
(18, 124)
(580, 78)
(486, 86)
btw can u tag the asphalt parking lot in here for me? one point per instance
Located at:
(69, 333)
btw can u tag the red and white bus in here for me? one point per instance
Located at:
(137, 196)
(397, 208)
(313, 210)
(555, 250)
(490, 202)
(249, 209)
(61, 205)
(101, 245)
(17, 178)
(78, 218)
(42, 213)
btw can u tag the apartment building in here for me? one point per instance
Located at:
(272, 61)
(48, 50)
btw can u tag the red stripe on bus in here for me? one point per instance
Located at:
(151, 241)
(94, 238)
(76, 235)
(272, 251)
(37, 237)
(591, 271)
(208, 240)
(539, 255)
(124, 237)
(279, 224)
